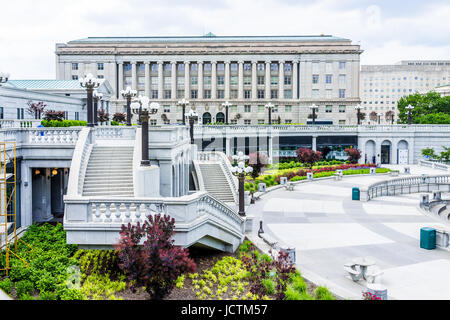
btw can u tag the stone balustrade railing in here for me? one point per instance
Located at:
(434, 165)
(29, 123)
(115, 132)
(407, 185)
(51, 136)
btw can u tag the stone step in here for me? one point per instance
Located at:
(108, 185)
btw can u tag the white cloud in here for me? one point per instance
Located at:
(34, 27)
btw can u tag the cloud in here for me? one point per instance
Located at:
(388, 31)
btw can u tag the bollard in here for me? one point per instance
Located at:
(283, 180)
(425, 200)
(261, 187)
(373, 170)
(407, 170)
(310, 176)
(437, 195)
(260, 228)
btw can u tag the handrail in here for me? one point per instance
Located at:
(79, 162)
(434, 165)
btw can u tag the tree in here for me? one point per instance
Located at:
(429, 153)
(429, 108)
(102, 116)
(373, 116)
(362, 115)
(308, 156)
(36, 109)
(353, 155)
(54, 115)
(157, 263)
(119, 117)
(257, 161)
(445, 155)
(389, 116)
(325, 151)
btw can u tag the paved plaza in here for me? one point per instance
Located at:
(328, 229)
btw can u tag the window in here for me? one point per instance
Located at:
(341, 65)
(273, 94)
(287, 67)
(180, 67)
(101, 76)
(247, 122)
(194, 67)
(328, 109)
(207, 67)
(168, 81)
(274, 80)
(247, 67)
(220, 80)
(315, 78)
(166, 108)
(193, 94)
(288, 94)
(167, 121)
(74, 77)
(287, 108)
(100, 66)
(233, 121)
(77, 115)
(180, 94)
(153, 122)
(220, 66)
(140, 67)
(287, 121)
(154, 67)
(328, 78)
(341, 93)
(20, 113)
(233, 94)
(207, 94)
(127, 67)
(220, 94)
(233, 108)
(315, 93)
(74, 66)
(168, 67)
(207, 80)
(341, 109)
(247, 108)
(260, 66)
(328, 93)
(341, 122)
(328, 67)
(261, 109)
(287, 80)
(154, 94)
(342, 79)
(247, 80)
(141, 80)
(128, 81)
(260, 94)
(261, 121)
(234, 80)
(274, 67)
(247, 94)
(194, 80)
(260, 80)
(233, 66)
(180, 81)
(167, 94)
(154, 81)
(315, 67)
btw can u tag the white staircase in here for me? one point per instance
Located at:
(215, 181)
(109, 172)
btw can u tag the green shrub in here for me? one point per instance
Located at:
(269, 285)
(24, 287)
(245, 246)
(26, 296)
(6, 285)
(292, 294)
(63, 123)
(298, 283)
(298, 178)
(322, 293)
(44, 295)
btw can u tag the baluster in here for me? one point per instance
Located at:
(108, 212)
(97, 212)
(148, 210)
(138, 212)
(118, 213)
(127, 212)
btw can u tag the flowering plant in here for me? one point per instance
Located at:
(370, 296)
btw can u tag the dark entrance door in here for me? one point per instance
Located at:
(385, 154)
(206, 118)
(220, 117)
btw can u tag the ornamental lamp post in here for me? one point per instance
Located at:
(183, 102)
(97, 97)
(313, 108)
(409, 108)
(142, 108)
(358, 110)
(128, 94)
(240, 171)
(269, 107)
(90, 83)
(191, 115)
(3, 77)
(379, 117)
(226, 104)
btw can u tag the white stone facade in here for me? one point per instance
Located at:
(291, 72)
(383, 85)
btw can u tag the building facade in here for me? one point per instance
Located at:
(383, 85)
(292, 72)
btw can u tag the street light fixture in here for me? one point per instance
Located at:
(358, 110)
(191, 115)
(409, 108)
(379, 117)
(142, 108)
(90, 83)
(97, 97)
(226, 104)
(183, 102)
(269, 107)
(313, 108)
(240, 170)
(3, 78)
(128, 94)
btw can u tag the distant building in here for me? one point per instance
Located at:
(383, 85)
(443, 90)
(292, 72)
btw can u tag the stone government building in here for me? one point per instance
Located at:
(292, 72)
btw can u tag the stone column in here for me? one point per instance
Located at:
(173, 76)
(228, 147)
(133, 75)
(295, 79)
(200, 79)
(81, 70)
(267, 80)
(227, 80)
(186, 80)
(241, 80)
(213, 79)
(314, 143)
(120, 80)
(147, 79)
(254, 95)
(281, 80)
(270, 151)
(160, 79)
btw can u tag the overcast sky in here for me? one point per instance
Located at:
(387, 30)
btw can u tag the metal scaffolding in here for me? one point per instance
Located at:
(8, 203)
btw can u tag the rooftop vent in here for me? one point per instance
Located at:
(210, 35)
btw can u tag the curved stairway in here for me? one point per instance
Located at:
(215, 181)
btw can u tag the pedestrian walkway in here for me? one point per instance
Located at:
(328, 229)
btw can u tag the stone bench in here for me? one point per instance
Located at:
(337, 176)
(394, 173)
(373, 274)
(289, 186)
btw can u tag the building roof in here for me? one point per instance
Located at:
(210, 37)
(45, 84)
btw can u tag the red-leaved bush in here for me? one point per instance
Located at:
(353, 155)
(149, 258)
(308, 156)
